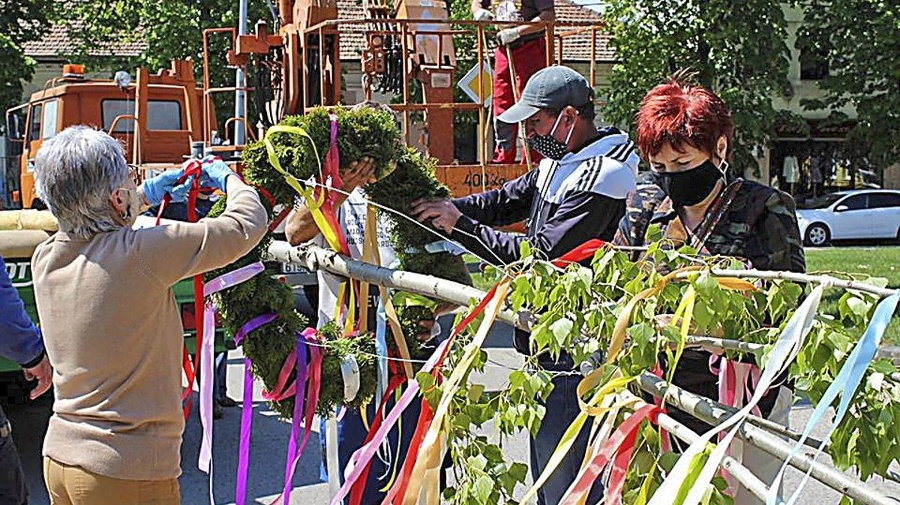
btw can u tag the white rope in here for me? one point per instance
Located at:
(417, 223)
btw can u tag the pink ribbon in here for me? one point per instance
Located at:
(224, 281)
(626, 433)
(737, 382)
(233, 278)
(314, 372)
(280, 392)
(733, 374)
(665, 441)
(364, 454)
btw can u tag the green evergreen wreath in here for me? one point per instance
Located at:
(404, 176)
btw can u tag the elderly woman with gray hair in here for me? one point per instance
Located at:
(110, 322)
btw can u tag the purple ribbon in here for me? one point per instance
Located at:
(240, 490)
(254, 324)
(298, 416)
(204, 461)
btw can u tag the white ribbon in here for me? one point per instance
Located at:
(779, 359)
(350, 374)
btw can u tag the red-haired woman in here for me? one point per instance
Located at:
(685, 132)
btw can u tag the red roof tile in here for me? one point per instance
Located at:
(56, 43)
(576, 48)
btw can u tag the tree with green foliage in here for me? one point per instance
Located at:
(860, 40)
(21, 21)
(737, 49)
(169, 30)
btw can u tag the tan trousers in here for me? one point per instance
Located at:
(71, 485)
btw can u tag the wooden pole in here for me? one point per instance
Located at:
(28, 219)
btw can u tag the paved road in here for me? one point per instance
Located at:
(270, 438)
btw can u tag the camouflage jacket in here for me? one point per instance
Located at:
(749, 221)
(757, 223)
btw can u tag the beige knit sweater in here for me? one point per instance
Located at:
(114, 336)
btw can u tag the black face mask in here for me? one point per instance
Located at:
(691, 186)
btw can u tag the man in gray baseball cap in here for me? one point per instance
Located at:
(577, 193)
(545, 96)
(551, 88)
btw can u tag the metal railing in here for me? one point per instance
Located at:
(407, 34)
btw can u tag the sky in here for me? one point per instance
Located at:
(590, 4)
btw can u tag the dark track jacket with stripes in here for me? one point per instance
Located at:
(564, 203)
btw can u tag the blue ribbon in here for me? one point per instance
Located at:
(381, 350)
(846, 383)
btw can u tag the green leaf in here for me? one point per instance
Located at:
(475, 392)
(524, 249)
(858, 307)
(484, 486)
(561, 329)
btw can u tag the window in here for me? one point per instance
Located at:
(856, 202)
(813, 65)
(822, 202)
(161, 115)
(111, 109)
(50, 119)
(884, 200)
(34, 129)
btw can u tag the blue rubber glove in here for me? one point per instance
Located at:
(215, 174)
(156, 188)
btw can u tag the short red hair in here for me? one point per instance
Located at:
(681, 113)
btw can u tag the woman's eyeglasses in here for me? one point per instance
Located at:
(135, 174)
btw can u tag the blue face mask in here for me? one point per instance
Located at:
(549, 147)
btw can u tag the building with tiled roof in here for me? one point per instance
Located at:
(56, 45)
(576, 48)
(55, 48)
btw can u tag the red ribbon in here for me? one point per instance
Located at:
(359, 487)
(427, 415)
(191, 168)
(399, 488)
(580, 253)
(624, 437)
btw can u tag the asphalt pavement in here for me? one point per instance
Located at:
(270, 436)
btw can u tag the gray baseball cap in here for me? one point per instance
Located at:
(553, 87)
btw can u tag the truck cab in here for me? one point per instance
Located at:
(157, 117)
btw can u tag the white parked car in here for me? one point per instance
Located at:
(846, 215)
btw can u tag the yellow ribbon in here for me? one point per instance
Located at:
(389, 312)
(426, 472)
(618, 338)
(314, 206)
(685, 311)
(592, 380)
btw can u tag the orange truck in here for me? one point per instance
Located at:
(157, 117)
